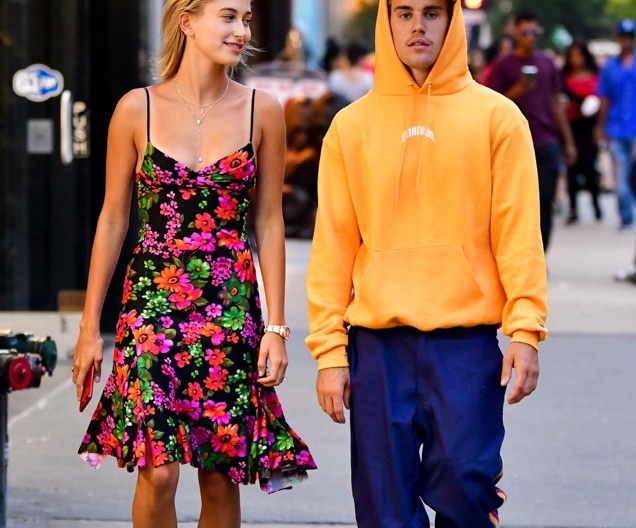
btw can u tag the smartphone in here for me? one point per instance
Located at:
(87, 389)
(529, 71)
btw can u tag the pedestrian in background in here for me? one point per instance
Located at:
(580, 82)
(194, 366)
(500, 48)
(617, 121)
(427, 239)
(532, 81)
(351, 80)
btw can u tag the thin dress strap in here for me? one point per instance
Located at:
(252, 116)
(147, 114)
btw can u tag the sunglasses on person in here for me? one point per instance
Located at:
(534, 32)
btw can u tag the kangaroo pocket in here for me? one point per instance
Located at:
(429, 287)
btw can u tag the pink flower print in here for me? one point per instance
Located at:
(215, 357)
(236, 475)
(173, 279)
(304, 458)
(194, 391)
(237, 164)
(221, 270)
(204, 241)
(213, 331)
(185, 299)
(204, 222)
(226, 210)
(183, 358)
(190, 332)
(226, 440)
(231, 239)
(145, 338)
(244, 266)
(200, 435)
(161, 345)
(196, 318)
(213, 310)
(216, 412)
(265, 462)
(191, 408)
(216, 379)
(186, 194)
(166, 321)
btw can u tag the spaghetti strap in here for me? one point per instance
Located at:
(147, 114)
(252, 116)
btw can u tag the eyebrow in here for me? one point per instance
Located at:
(233, 11)
(409, 8)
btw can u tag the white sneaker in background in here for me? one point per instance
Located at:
(626, 275)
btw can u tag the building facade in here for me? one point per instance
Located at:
(64, 64)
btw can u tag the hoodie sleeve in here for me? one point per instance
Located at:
(335, 246)
(516, 237)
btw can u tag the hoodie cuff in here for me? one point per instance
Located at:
(336, 357)
(529, 338)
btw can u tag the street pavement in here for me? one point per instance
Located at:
(570, 450)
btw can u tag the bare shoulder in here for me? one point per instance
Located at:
(133, 102)
(267, 106)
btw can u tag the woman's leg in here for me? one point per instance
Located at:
(220, 501)
(153, 505)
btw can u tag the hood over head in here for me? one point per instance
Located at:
(448, 75)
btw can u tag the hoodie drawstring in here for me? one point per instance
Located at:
(409, 115)
(424, 142)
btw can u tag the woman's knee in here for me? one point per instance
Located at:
(216, 486)
(161, 479)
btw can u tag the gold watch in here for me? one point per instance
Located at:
(281, 330)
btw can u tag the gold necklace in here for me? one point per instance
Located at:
(204, 110)
(201, 107)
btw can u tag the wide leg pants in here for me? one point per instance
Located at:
(426, 426)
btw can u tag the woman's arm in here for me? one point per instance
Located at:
(121, 159)
(270, 231)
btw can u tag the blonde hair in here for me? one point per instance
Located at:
(174, 40)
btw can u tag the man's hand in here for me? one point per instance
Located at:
(333, 387)
(571, 154)
(525, 360)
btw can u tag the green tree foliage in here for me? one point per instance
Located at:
(582, 18)
(621, 8)
(362, 24)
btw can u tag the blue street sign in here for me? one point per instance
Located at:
(38, 83)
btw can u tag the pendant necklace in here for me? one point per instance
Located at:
(202, 111)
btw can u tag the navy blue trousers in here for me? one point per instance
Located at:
(426, 426)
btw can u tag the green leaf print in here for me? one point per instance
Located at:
(145, 375)
(170, 333)
(284, 441)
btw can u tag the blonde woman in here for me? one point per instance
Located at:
(194, 364)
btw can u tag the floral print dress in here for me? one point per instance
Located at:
(184, 378)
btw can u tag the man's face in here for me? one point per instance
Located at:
(626, 42)
(419, 28)
(527, 34)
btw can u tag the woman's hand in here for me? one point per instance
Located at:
(89, 350)
(272, 350)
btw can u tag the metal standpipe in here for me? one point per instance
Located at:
(4, 445)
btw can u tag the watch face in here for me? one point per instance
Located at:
(285, 332)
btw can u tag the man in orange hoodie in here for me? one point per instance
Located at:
(427, 240)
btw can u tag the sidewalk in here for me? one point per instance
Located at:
(569, 448)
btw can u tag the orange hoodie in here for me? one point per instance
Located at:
(428, 208)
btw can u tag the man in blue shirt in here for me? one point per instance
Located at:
(617, 121)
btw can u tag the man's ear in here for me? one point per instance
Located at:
(185, 24)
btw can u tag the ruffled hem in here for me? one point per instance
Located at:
(277, 480)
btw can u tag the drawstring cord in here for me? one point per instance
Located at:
(402, 155)
(424, 142)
